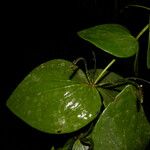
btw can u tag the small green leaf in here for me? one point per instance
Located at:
(112, 38)
(123, 124)
(53, 148)
(54, 99)
(79, 146)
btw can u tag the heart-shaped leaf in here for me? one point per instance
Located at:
(55, 98)
(112, 38)
(123, 124)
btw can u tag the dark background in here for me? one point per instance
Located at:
(33, 33)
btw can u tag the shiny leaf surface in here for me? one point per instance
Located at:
(112, 38)
(54, 99)
(123, 124)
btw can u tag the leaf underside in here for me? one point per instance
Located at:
(112, 38)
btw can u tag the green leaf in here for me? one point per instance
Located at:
(112, 38)
(123, 124)
(54, 99)
(53, 148)
(79, 146)
(148, 50)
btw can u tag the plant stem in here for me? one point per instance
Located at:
(85, 64)
(139, 79)
(137, 54)
(142, 31)
(148, 49)
(103, 72)
(140, 6)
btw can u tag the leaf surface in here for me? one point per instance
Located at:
(55, 100)
(122, 125)
(112, 38)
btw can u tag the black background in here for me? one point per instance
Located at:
(33, 33)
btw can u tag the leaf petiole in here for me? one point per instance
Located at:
(137, 54)
(85, 65)
(148, 50)
(142, 31)
(103, 72)
(139, 6)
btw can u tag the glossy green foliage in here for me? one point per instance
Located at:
(55, 98)
(123, 124)
(112, 38)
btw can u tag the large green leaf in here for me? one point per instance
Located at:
(122, 125)
(54, 99)
(112, 38)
